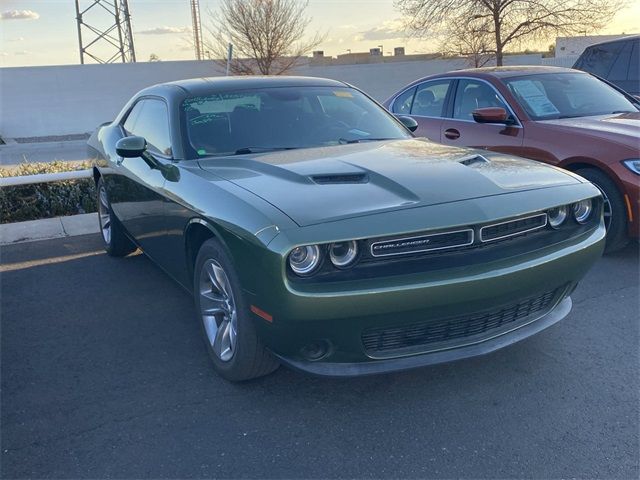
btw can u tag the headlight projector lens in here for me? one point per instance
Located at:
(343, 253)
(304, 260)
(582, 210)
(557, 216)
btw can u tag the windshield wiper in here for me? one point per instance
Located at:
(246, 150)
(366, 139)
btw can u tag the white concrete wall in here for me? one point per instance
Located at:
(61, 100)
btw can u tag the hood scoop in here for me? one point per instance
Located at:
(340, 178)
(473, 160)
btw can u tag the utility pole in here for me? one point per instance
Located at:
(104, 31)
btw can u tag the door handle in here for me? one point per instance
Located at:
(452, 133)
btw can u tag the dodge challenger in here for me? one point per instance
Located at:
(313, 229)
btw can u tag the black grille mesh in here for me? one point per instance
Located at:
(432, 333)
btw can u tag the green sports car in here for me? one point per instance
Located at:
(313, 229)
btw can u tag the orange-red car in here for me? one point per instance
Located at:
(556, 115)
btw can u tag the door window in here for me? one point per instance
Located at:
(402, 104)
(149, 118)
(621, 65)
(429, 99)
(473, 94)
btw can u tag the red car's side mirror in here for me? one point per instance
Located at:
(492, 115)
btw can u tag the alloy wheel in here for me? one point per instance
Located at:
(218, 310)
(104, 214)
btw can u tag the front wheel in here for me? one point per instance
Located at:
(228, 332)
(115, 242)
(615, 214)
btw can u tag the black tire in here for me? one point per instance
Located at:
(250, 358)
(617, 226)
(116, 243)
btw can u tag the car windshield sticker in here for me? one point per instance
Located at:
(342, 93)
(535, 98)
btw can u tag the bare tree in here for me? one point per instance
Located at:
(509, 21)
(471, 40)
(268, 36)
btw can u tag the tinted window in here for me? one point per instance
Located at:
(621, 64)
(599, 59)
(634, 67)
(403, 102)
(429, 99)
(473, 94)
(150, 119)
(274, 118)
(566, 95)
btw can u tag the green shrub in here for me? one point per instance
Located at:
(45, 200)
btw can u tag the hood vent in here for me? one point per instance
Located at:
(473, 160)
(340, 178)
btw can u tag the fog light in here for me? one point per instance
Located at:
(582, 210)
(557, 216)
(316, 350)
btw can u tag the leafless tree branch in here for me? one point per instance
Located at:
(268, 36)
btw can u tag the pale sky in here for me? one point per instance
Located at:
(43, 32)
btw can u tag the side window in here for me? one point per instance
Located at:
(402, 103)
(130, 122)
(634, 66)
(429, 99)
(621, 65)
(599, 58)
(472, 94)
(151, 121)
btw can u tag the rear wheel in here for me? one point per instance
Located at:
(116, 243)
(615, 215)
(227, 329)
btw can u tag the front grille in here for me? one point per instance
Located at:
(452, 332)
(510, 228)
(423, 243)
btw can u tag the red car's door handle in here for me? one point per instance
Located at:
(452, 133)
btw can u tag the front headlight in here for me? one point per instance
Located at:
(343, 254)
(557, 216)
(304, 260)
(582, 210)
(633, 165)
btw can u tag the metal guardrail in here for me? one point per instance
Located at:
(45, 178)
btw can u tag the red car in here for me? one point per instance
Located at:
(556, 115)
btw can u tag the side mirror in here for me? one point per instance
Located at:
(492, 115)
(131, 147)
(408, 122)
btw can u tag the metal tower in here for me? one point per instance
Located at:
(104, 31)
(197, 29)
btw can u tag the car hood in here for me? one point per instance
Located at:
(622, 128)
(315, 185)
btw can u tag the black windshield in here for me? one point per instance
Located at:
(251, 121)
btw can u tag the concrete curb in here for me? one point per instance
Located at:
(48, 228)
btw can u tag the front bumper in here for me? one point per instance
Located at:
(489, 345)
(338, 314)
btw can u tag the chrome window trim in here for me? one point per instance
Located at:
(514, 220)
(518, 123)
(471, 230)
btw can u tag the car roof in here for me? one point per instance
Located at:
(511, 71)
(623, 39)
(208, 85)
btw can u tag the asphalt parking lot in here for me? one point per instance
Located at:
(104, 375)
